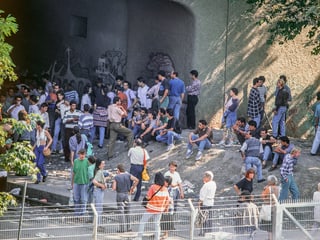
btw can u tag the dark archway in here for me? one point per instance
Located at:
(159, 27)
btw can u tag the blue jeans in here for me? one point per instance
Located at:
(136, 130)
(257, 119)
(175, 105)
(145, 217)
(249, 161)
(279, 119)
(40, 160)
(80, 198)
(57, 124)
(287, 186)
(136, 170)
(266, 153)
(204, 144)
(98, 195)
(231, 119)
(316, 142)
(101, 134)
(168, 137)
(276, 157)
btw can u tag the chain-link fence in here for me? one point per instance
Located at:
(229, 218)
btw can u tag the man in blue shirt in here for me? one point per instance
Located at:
(176, 94)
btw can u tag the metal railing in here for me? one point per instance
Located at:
(290, 220)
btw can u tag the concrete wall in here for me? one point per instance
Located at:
(193, 33)
(249, 56)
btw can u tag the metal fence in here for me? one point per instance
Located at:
(290, 220)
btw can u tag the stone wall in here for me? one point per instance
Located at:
(191, 32)
(249, 56)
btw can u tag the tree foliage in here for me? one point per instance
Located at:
(287, 18)
(8, 26)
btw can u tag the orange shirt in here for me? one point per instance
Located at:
(160, 201)
(124, 100)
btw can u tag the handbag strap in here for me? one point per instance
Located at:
(270, 192)
(155, 193)
(144, 158)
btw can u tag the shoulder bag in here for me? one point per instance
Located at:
(265, 212)
(144, 175)
(145, 199)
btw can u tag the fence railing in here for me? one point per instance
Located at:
(290, 220)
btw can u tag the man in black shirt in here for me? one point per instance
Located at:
(171, 132)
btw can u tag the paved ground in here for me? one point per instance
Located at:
(224, 162)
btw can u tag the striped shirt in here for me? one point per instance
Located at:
(287, 166)
(85, 121)
(71, 115)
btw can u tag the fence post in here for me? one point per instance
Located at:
(277, 219)
(192, 218)
(22, 209)
(95, 222)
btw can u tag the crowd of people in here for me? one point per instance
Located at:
(72, 121)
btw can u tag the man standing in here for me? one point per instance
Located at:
(250, 152)
(202, 137)
(287, 181)
(263, 95)
(163, 90)
(254, 104)
(142, 93)
(137, 155)
(115, 113)
(122, 185)
(70, 120)
(206, 200)
(316, 141)
(279, 117)
(176, 94)
(193, 91)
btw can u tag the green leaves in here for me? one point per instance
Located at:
(8, 26)
(286, 19)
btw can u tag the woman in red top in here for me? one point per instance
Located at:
(158, 203)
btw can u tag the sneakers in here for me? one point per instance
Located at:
(272, 168)
(199, 156)
(189, 153)
(261, 180)
(222, 142)
(170, 147)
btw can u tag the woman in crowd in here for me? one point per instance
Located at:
(61, 107)
(158, 202)
(266, 195)
(245, 183)
(230, 116)
(99, 188)
(43, 142)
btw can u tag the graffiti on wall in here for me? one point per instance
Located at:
(158, 61)
(109, 65)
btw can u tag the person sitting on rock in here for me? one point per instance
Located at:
(280, 151)
(266, 140)
(202, 137)
(239, 128)
(171, 132)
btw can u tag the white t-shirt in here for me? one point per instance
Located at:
(207, 193)
(136, 155)
(176, 179)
